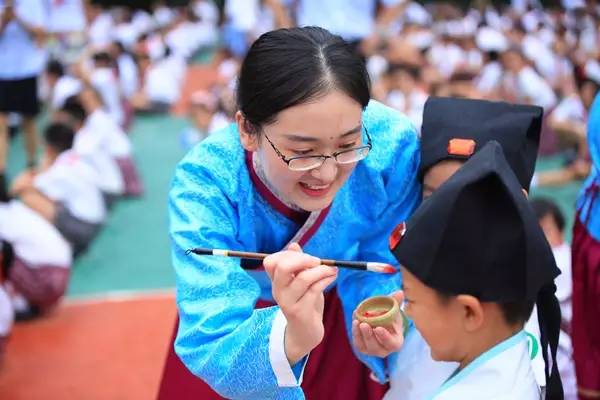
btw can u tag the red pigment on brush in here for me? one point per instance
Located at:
(388, 269)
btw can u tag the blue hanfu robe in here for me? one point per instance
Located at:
(216, 202)
(585, 253)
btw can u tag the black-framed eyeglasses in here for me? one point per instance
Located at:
(306, 163)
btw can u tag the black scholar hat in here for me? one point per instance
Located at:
(478, 235)
(456, 128)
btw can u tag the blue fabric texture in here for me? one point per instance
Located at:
(588, 203)
(213, 204)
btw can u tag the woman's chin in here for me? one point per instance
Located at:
(311, 204)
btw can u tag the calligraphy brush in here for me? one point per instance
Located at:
(360, 265)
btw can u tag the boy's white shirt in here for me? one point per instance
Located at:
(35, 241)
(72, 182)
(502, 373)
(417, 376)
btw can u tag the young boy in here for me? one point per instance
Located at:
(474, 262)
(64, 192)
(97, 133)
(37, 272)
(87, 144)
(446, 143)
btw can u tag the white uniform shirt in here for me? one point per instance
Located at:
(128, 75)
(65, 87)
(21, 57)
(163, 81)
(564, 290)
(72, 182)
(416, 376)
(412, 105)
(570, 108)
(531, 88)
(351, 19)
(100, 30)
(35, 241)
(501, 373)
(106, 83)
(489, 78)
(66, 16)
(108, 136)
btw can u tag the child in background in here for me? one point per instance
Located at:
(64, 191)
(60, 85)
(474, 262)
(552, 222)
(98, 133)
(37, 272)
(203, 106)
(88, 145)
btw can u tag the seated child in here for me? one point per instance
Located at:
(474, 262)
(37, 271)
(88, 146)
(64, 191)
(103, 135)
(203, 106)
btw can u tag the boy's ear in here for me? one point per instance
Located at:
(473, 312)
(249, 139)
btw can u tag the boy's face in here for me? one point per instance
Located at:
(439, 322)
(438, 174)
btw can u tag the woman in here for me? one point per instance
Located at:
(310, 166)
(585, 256)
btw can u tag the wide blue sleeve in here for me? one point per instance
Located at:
(400, 196)
(221, 338)
(593, 134)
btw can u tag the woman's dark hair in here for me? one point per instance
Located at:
(287, 67)
(59, 136)
(543, 206)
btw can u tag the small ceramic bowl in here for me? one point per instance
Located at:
(377, 311)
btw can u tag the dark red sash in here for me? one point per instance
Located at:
(585, 325)
(333, 372)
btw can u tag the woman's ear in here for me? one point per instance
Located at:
(249, 140)
(473, 313)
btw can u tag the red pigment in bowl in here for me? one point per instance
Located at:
(374, 313)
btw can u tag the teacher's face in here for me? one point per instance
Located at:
(324, 126)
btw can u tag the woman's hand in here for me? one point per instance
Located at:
(379, 341)
(298, 283)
